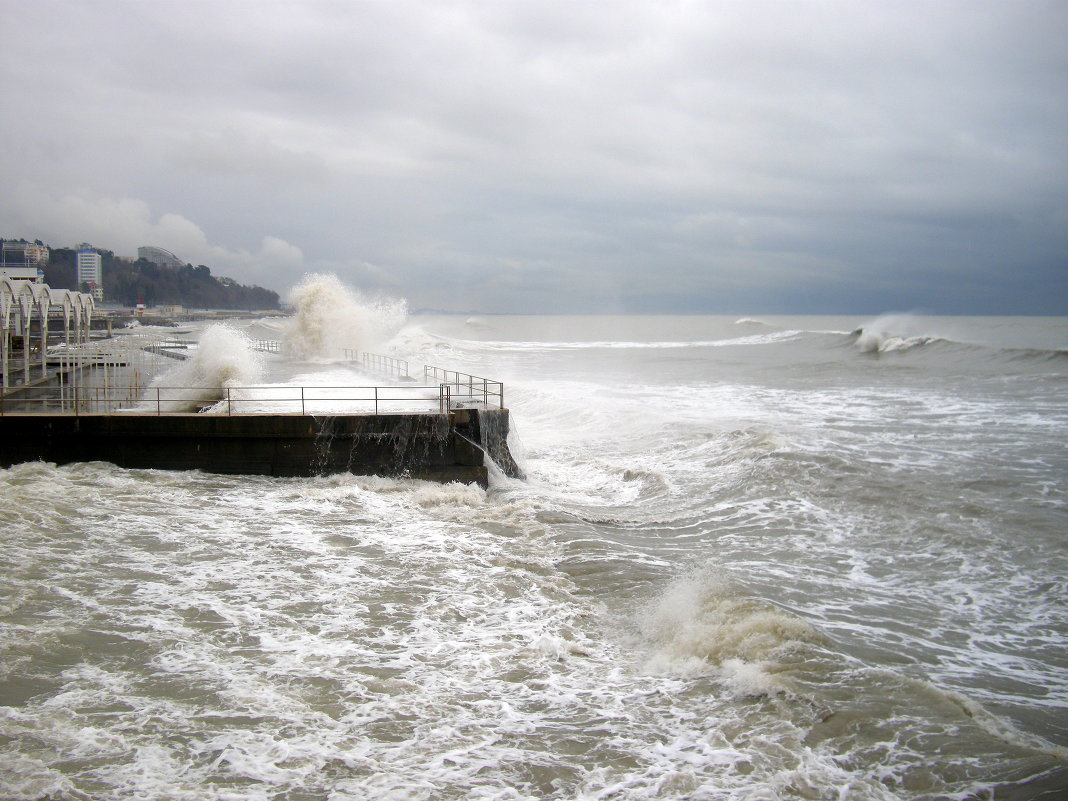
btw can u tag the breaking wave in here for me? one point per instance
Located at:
(876, 343)
(702, 624)
(332, 318)
(223, 360)
(892, 332)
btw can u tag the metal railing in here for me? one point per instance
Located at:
(386, 365)
(230, 401)
(466, 388)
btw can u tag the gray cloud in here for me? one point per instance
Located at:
(559, 156)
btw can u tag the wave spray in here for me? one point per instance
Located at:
(332, 317)
(223, 360)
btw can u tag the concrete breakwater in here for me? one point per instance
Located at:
(452, 446)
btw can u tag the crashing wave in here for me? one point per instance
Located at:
(223, 361)
(332, 318)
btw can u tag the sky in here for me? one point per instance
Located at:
(557, 156)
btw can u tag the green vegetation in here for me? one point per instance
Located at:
(125, 282)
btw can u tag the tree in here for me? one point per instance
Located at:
(126, 282)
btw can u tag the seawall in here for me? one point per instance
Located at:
(435, 447)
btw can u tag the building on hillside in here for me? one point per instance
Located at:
(23, 261)
(164, 258)
(91, 271)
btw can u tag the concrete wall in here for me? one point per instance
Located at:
(436, 447)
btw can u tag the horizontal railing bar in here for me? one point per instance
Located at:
(131, 399)
(441, 386)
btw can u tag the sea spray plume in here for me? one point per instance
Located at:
(332, 318)
(223, 360)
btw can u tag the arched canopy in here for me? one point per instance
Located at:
(20, 296)
(20, 301)
(29, 297)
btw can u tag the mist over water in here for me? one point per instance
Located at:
(753, 559)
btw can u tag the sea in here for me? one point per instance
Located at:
(751, 558)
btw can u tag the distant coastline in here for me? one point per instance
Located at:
(126, 281)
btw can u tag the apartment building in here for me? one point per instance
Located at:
(90, 271)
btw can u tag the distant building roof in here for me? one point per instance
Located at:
(21, 273)
(159, 256)
(24, 254)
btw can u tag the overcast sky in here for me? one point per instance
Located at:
(558, 155)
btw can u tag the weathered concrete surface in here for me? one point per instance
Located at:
(436, 447)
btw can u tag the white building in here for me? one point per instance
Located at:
(91, 271)
(23, 261)
(164, 258)
(21, 273)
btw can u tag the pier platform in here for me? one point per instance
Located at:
(449, 427)
(453, 446)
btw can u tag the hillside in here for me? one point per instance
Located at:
(126, 282)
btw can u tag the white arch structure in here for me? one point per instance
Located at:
(20, 302)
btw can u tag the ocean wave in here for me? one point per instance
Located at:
(879, 342)
(222, 361)
(332, 317)
(912, 334)
(548, 347)
(702, 624)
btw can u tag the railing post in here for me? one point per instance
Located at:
(376, 400)
(229, 408)
(302, 412)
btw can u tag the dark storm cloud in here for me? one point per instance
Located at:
(512, 156)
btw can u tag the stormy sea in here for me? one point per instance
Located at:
(752, 558)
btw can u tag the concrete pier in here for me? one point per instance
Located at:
(436, 447)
